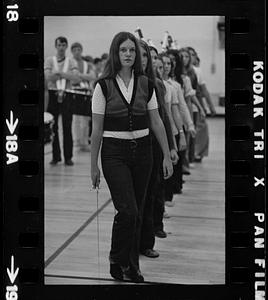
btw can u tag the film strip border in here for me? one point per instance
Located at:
(23, 152)
(245, 187)
(23, 155)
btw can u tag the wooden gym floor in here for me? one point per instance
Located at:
(192, 253)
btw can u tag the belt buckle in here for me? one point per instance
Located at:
(133, 144)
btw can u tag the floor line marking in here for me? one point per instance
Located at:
(75, 234)
(99, 278)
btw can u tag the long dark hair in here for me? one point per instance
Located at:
(178, 70)
(197, 59)
(113, 65)
(157, 74)
(149, 71)
(189, 66)
(175, 53)
(188, 70)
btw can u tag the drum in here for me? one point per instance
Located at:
(48, 123)
(81, 103)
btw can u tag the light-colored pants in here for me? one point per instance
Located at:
(81, 130)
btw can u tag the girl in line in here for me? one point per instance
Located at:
(190, 99)
(201, 143)
(160, 193)
(124, 106)
(201, 149)
(155, 184)
(178, 108)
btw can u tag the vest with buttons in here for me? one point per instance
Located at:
(121, 115)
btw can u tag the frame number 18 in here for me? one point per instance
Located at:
(12, 13)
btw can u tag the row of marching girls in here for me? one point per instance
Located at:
(174, 109)
(188, 73)
(142, 121)
(185, 91)
(70, 83)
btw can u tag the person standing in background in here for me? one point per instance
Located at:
(89, 59)
(60, 70)
(104, 58)
(202, 133)
(98, 66)
(86, 76)
(195, 60)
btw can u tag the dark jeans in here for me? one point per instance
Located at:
(181, 154)
(65, 109)
(186, 155)
(192, 141)
(173, 185)
(151, 208)
(159, 205)
(127, 168)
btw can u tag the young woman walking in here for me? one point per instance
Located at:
(124, 106)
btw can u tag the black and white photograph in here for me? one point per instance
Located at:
(134, 150)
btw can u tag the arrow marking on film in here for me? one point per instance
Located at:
(11, 124)
(11, 274)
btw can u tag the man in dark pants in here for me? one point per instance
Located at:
(82, 112)
(59, 72)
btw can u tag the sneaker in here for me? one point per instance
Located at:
(198, 159)
(130, 274)
(185, 171)
(69, 162)
(169, 203)
(166, 215)
(54, 161)
(150, 253)
(116, 271)
(161, 234)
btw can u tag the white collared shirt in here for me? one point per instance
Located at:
(99, 104)
(126, 91)
(49, 67)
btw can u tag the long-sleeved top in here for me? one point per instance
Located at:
(188, 93)
(160, 96)
(169, 99)
(178, 99)
(187, 86)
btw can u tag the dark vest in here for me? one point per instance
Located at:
(191, 73)
(160, 96)
(121, 115)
